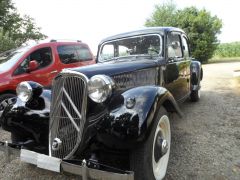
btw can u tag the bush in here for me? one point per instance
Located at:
(201, 27)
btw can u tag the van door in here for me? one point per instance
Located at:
(45, 71)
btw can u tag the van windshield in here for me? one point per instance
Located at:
(9, 59)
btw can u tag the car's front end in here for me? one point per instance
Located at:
(93, 118)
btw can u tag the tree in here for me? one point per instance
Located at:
(15, 29)
(201, 27)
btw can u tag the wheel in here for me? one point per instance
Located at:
(195, 95)
(6, 96)
(150, 160)
(5, 100)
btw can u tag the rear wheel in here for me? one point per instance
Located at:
(195, 95)
(151, 159)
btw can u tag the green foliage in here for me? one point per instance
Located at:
(228, 50)
(164, 15)
(201, 27)
(14, 29)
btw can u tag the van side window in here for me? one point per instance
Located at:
(43, 56)
(73, 53)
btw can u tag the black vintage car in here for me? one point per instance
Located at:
(110, 119)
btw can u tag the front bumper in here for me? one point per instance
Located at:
(77, 167)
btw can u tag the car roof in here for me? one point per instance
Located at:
(58, 43)
(148, 30)
(31, 47)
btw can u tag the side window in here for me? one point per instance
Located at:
(83, 53)
(43, 56)
(22, 68)
(73, 53)
(174, 46)
(185, 47)
(107, 52)
(123, 51)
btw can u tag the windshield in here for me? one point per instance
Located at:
(8, 60)
(138, 46)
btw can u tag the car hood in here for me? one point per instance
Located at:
(115, 68)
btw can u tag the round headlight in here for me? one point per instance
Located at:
(24, 91)
(100, 88)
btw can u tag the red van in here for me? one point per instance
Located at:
(40, 63)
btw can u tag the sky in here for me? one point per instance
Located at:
(93, 20)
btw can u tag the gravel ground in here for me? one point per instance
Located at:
(205, 142)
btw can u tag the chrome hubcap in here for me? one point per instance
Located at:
(161, 147)
(164, 146)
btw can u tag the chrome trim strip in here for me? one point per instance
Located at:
(91, 173)
(73, 105)
(57, 165)
(28, 156)
(49, 163)
(70, 117)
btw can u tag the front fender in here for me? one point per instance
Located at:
(29, 119)
(196, 75)
(130, 125)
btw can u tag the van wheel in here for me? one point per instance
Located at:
(6, 96)
(150, 160)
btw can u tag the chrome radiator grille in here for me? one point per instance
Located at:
(67, 114)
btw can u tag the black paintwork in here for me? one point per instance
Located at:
(116, 67)
(29, 120)
(157, 82)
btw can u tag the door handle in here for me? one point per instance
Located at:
(53, 72)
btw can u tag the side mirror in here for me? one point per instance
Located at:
(33, 65)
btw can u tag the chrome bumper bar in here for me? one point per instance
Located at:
(58, 165)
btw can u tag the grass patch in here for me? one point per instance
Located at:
(225, 59)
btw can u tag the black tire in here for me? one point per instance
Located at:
(143, 158)
(6, 96)
(195, 95)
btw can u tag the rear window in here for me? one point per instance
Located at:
(73, 53)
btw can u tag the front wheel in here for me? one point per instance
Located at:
(150, 160)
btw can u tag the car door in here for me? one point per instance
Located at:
(176, 73)
(187, 61)
(45, 71)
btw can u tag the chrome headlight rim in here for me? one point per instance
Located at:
(20, 93)
(107, 86)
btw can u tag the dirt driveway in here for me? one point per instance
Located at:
(205, 142)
